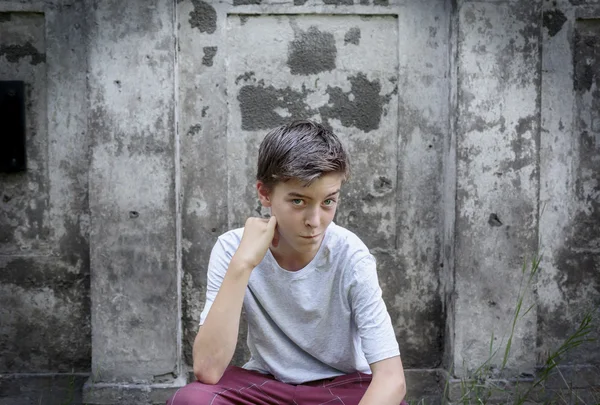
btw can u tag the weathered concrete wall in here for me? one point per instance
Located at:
(135, 277)
(497, 137)
(569, 285)
(44, 261)
(352, 67)
(473, 128)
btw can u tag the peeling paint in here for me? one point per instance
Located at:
(553, 21)
(14, 53)
(203, 17)
(194, 129)
(585, 65)
(245, 77)
(311, 52)
(361, 107)
(339, 2)
(209, 54)
(352, 36)
(258, 105)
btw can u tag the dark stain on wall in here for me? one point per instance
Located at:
(525, 124)
(577, 261)
(300, 2)
(494, 220)
(311, 52)
(194, 129)
(585, 56)
(245, 77)
(5, 17)
(553, 21)
(361, 108)
(381, 2)
(42, 339)
(339, 2)
(427, 342)
(209, 54)
(245, 2)
(14, 53)
(258, 105)
(352, 36)
(21, 273)
(382, 184)
(204, 17)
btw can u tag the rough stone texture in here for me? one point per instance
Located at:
(334, 81)
(44, 261)
(497, 174)
(134, 291)
(28, 389)
(439, 103)
(203, 108)
(569, 285)
(423, 118)
(138, 394)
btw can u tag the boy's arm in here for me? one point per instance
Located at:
(217, 337)
(377, 336)
(388, 386)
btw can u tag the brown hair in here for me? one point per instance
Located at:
(302, 150)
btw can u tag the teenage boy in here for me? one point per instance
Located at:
(318, 329)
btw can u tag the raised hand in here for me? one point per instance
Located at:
(259, 234)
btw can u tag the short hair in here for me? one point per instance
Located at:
(303, 150)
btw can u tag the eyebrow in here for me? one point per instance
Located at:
(294, 194)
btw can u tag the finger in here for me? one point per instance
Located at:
(272, 223)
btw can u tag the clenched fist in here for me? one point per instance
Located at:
(259, 234)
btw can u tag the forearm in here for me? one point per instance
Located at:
(217, 338)
(384, 390)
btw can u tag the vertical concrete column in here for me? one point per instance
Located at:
(423, 116)
(497, 185)
(569, 286)
(134, 267)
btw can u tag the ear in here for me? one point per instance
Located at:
(264, 194)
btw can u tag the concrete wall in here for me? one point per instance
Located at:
(474, 132)
(44, 219)
(569, 225)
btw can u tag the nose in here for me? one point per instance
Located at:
(312, 218)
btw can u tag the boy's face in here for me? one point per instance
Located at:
(303, 213)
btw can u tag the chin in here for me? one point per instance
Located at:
(312, 241)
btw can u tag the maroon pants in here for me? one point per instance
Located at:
(244, 387)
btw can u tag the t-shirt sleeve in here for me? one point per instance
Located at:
(370, 313)
(217, 267)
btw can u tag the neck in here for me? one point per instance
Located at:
(290, 259)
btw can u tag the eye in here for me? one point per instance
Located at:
(329, 202)
(297, 201)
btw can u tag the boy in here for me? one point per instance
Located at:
(317, 324)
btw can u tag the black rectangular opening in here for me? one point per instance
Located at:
(12, 126)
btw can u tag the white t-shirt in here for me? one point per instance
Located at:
(324, 320)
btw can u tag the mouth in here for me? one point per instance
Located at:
(309, 237)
